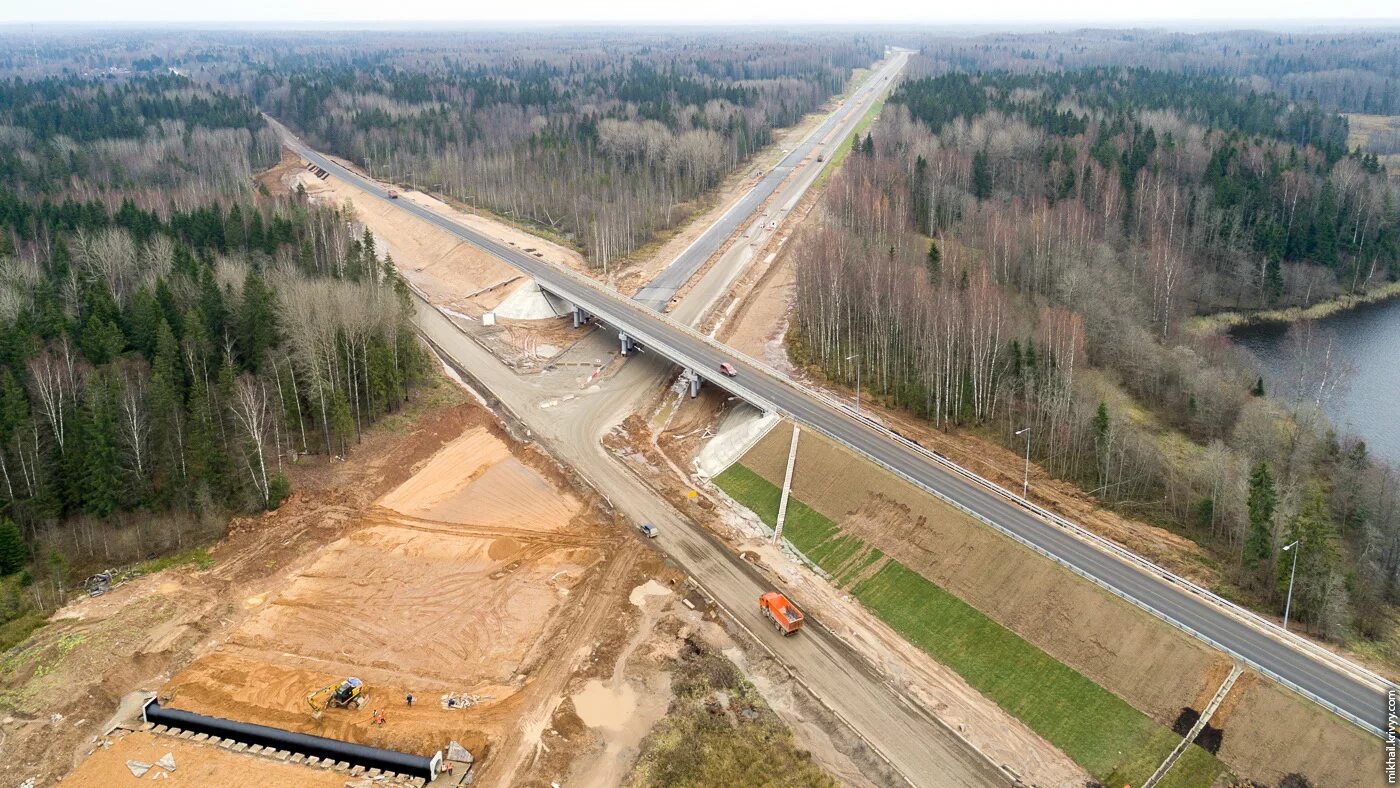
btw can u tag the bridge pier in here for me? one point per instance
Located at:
(692, 382)
(580, 317)
(627, 343)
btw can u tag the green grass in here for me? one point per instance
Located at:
(1114, 742)
(198, 557)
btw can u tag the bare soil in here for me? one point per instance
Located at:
(1271, 732)
(200, 765)
(451, 272)
(457, 583)
(99, 649)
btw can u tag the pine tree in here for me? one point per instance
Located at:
(1258, 389)
(101, 489)
(934, 262)
(257, 321)
(981, 175)
(1317, 560)
(13, 552)
(1259, 545)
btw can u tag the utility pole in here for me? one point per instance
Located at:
(1026, 478)
(848, 358)
(1288, 605)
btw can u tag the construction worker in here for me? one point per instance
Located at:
(410, 700)
(378, 717)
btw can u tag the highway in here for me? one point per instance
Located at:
(915, 744)
(1362, 700)
(659, 292)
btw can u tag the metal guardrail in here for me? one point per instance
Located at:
(633, 327)
(1239, 613)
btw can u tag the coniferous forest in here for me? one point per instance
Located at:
(170, 338)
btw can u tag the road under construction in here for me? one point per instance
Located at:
(1321, 676)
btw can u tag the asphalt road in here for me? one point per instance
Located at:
(1322, 680)
(913, 742)
(663, 287)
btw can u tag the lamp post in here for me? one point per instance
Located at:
(848, 358)
(1026, 479)
(1291, 573)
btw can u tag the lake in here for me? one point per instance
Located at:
(1368, 339)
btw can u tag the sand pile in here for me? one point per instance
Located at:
(530, 302)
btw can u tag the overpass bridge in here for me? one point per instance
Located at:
(1318, 674)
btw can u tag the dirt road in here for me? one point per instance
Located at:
(916, 744)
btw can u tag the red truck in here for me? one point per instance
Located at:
(785, 616)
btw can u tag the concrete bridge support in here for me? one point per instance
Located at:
(627, 344)
(692, 381)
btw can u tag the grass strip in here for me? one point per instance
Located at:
(1113, 741)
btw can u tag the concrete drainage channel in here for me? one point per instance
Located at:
(293, 747)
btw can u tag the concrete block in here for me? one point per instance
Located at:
(256, 748)
(239, 747)
(358, 770)
(297, 758)
(281, 755)
(313, 761)
(374, 772)
(145, 726)
(201, 737)
(187, 734)
(227, 744)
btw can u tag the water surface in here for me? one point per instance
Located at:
(1368, 339)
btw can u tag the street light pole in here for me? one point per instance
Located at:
(848, 358)
(1026, 479)
(1291, 573)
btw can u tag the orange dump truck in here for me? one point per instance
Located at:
(785, 616)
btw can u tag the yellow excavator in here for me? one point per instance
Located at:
(349, 693)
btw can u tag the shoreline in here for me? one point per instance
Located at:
(1224, 322)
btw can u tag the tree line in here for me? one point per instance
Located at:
(162, 363)
(604, 146)
(1010, 251)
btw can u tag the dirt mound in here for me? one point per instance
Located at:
(475, 480)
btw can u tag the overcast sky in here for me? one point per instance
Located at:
(1260, 12)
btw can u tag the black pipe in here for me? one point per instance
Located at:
(304, 743)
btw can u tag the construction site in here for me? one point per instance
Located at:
(471, 601)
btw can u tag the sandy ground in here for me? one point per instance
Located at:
(442, 560)
(99, 649)
(199, 765)
(451, 272)
(456, 583)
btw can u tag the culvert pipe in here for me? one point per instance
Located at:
(304, 743)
